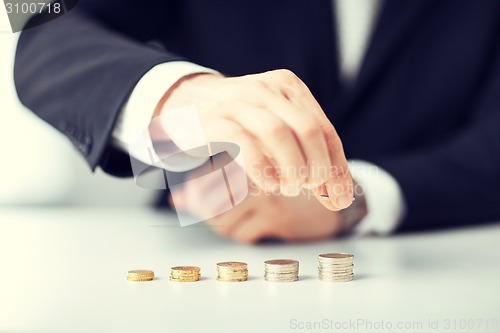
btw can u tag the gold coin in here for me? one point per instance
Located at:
(186, 269)
(231, 264)
(232, 279)
(190, 279)
(140, 275)
(232, 272)
(140, 279)
(177, 273)
(141, 272)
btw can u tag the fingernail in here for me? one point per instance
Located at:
(345, 200)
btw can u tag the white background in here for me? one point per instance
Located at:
(65, 271)
(37, 164)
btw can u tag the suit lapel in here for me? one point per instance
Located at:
(395, 25)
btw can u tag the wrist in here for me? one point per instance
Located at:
(178, 94)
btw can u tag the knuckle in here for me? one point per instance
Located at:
(257, 93)
(275, 128)
(287, 76)
(288, 92)
(259, 85)
(333, 141)
(330, 134)
(309, 129)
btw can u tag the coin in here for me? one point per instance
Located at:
(335, 270)
(187, 269)
(185, 273)
(140, 275)
(336, 256)
(232, 271)
(281, 270)
(231, 264)
(335, 267)
(337, 279)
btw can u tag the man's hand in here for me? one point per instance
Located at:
(286, 140)
(262, 215)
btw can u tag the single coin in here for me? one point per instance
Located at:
(289, 279)
(180, 273)
(344, 264)
(335, 259)
(185, 279)
(140, 278)
(141, 272)
(231, 264)
(281, 262)
(186, 268)
(335, 273)
(336, 256)
(336, 279)
(140, 275)
(232, 272)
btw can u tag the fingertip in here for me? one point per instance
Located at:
(330, 205)
(344, 201)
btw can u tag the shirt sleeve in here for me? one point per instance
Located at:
(136, 115)
(384, 199)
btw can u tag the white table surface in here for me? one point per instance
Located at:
(63, 270)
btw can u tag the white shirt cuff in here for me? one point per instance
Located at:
(133, 122)
(384, 199)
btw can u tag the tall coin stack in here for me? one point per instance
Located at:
(232, 271)
(336, 267)
(281, 270)
(185, 274)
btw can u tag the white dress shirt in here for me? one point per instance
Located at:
(355, 20)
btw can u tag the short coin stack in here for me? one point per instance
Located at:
(232, 271)
(336, 267)
(281, 270)
(140, 275)
(185, 274)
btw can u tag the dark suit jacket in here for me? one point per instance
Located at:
(426, 105)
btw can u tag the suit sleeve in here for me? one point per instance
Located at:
(77, 71)
(457, 181)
